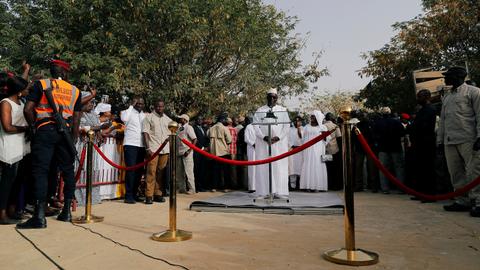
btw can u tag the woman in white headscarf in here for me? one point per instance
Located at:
(314, 171)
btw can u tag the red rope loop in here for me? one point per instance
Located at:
(80, 164)
(134, 167)
(406, 189)
(263, 161)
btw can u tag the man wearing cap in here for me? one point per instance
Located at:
(49, 143)
(459, 132)
(185, 155)
(155, 132)
(272, 113)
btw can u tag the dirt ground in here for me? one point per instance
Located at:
(406, 234)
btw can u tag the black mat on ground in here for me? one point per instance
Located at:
(300, 203)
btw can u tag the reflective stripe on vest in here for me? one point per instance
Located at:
(64, 95)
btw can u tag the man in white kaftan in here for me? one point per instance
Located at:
(250, 140)
(279, 139)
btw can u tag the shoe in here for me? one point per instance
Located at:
(280, 197)
(475, 211)
(37, 221)
(158, 198)
(148, 200)
(139, 199)
(130, 201)
(455, 207)
(415, 198)
(18, 216)
(386, 192)
(50, 211)
(66, 215)
(427, 201)
(251, 191)
(190, 192)
(213, 190)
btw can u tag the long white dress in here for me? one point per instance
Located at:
(314, 171)
(250, 139)
(295, 162)
(280, 167)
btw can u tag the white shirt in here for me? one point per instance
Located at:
(133, 127)
(13, 146)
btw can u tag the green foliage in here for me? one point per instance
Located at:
(199, 55)
(447, 34)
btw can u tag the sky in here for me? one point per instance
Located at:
(343, 29)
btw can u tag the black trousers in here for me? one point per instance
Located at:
(200, 171)
(133, 156)
(221, 174)
(49, 145)
(9, 174)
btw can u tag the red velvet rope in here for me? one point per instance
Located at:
(408, 190)
(263, 161)
(134, 167)
(80, 164)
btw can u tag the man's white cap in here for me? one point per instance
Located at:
(272, 91)
(103, 107)
(184, 116)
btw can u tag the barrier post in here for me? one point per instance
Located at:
(172, 234)
(349, 255)
(88, 217)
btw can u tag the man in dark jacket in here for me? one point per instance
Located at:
(198, 159)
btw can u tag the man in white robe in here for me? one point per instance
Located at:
(272, 113)
(250, 140)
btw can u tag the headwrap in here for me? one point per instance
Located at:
(319, 116)
(103, 107)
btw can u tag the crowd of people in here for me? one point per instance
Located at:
(424, 150)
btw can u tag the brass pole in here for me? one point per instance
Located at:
(172, 234)
(349, 255)
(88, 217)
(348, 186)
(173, 182)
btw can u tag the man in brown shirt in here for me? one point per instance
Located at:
(155, 132)
(220, 139)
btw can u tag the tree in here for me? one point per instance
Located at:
(199, 55)
(332, 102)
(447, 34)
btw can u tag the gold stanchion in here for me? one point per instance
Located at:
(172, 234)
(88, 217)
(349, 255)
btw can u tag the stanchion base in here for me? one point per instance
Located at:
(358, 257)
(87, 219)
(172, 236)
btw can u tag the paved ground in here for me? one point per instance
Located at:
(405, 233)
